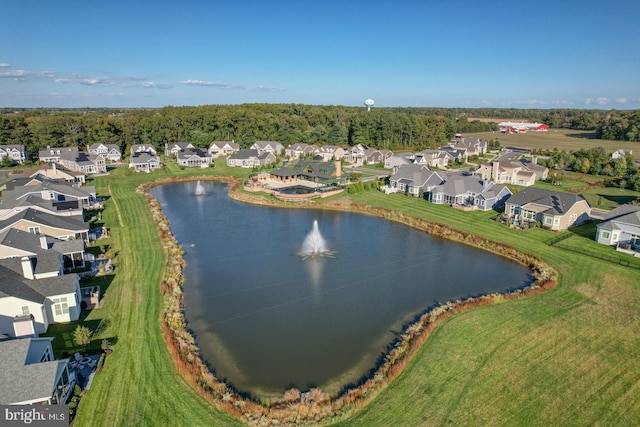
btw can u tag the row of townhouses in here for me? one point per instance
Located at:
(42, 241)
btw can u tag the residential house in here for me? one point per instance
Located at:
(298, 151)
(412, 179)
(75, 160)
(458, 188)
(319, 172)
(459, 154)
(492, 196)
(29, 374)
(18, 243)
(37, 222)
(330, 152)
(143, 148)
(222, 148)
(620, 154)
(472, 146)
(59, 194)
(110, 152)
(251, 158)
(16, 153)
(272, 147)
(431, 158)
(554, 210)
(518, 172)
(356, 154)
(48, 297)
(53, 172)
(144, 158)
(373, 156)
(194, 157)
(620, 227)
(173, 149)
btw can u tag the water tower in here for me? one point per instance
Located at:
(369, 103)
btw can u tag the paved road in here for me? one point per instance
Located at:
(598, 213)
(375, 172)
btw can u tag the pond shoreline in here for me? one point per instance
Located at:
(295, 407)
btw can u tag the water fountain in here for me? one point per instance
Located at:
(314, 245)
(199, 189)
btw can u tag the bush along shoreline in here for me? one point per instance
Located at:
(296, 407)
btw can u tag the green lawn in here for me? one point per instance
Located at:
(565, 357)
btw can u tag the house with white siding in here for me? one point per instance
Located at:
(621, 227)
(222, 148)
(16, 153)
(48, 297)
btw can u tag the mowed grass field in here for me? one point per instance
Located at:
(562, 139)
(565, 357)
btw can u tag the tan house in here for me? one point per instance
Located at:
(513, 172)
(554, 210)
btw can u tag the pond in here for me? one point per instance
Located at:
(267, 319)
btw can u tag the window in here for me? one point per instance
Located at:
(60, 306)
(46, 357)
(548, 220)
(34, 230)
(25, 310)
(604, 234)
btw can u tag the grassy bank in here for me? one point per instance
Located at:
(564, 357)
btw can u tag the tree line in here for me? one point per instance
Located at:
(383, 128)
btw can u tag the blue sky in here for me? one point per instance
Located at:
(547, 54)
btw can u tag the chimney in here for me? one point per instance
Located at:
(55, 169)
(27, 268)
(43, 242)
(494, 171)
(534, 160)
(338, 164)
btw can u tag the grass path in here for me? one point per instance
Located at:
(565, 357)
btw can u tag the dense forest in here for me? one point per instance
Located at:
(390, 128)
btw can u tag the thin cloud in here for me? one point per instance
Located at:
(622, 101)
(602, 100)
(224, 85)
(7, 72)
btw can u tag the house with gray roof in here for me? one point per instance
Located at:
(57, 193)
(173, 149)
(493, 196)
(144, 158)
(272, 147)
(330, 152)
(621, 227)
(110, 152)
(29, 374)
(66, 254)
(37, 222)
(16, 153)
(53, 172)
(458, 188)
(222, 148)
(250, 158)
(412, 179)
(50, 299)
(553, 209)
(194, 157)
(300, 150)
(73, 159)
